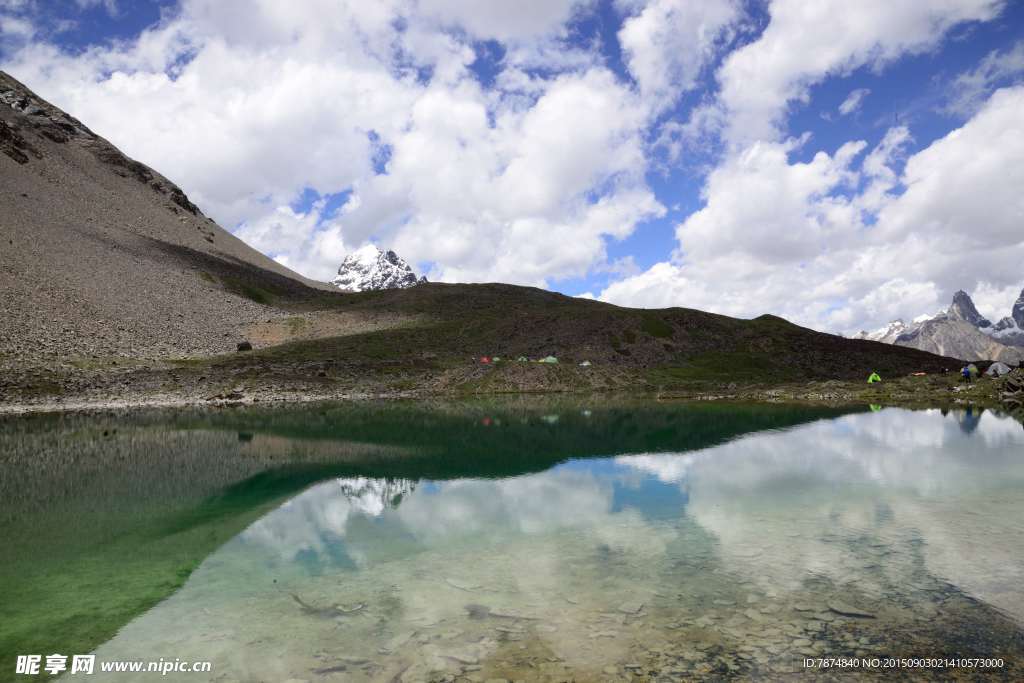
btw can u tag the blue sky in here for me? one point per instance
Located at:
(647, 152)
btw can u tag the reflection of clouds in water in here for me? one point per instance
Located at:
(530, 504)
(556, 500)
(894, 448)
(783, 505)
(313, 519)
(548, 502)
(1001, 430)
(669, 468)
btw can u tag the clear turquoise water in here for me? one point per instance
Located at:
(564, 542)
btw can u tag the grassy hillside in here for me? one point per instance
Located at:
(448, 328)
(429, 340)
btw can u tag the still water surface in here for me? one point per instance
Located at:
(517, 541)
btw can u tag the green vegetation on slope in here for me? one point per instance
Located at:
(627, 348)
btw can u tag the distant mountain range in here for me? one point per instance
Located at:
(961, 331)
(370, 269)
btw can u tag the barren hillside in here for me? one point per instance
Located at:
(103, 256)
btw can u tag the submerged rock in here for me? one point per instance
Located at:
(846, 610)
(632, 607)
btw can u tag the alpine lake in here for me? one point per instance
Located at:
(518, 539)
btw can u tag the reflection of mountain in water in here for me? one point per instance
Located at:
(313, 526)
(373, 496)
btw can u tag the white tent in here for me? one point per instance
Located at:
(997, 369)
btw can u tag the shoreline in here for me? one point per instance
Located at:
(908, 392)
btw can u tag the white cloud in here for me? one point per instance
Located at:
(853, 101)
(669, 41)
(995, 302)
(16, 27)
(805, 42)
(830, 244)
(512, 201)
(503, 21)
(971, 88)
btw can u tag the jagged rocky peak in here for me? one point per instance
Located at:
(963, 308)
(1010, 330)
(370, 268)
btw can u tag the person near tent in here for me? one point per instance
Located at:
(874, 377)
(966, 372)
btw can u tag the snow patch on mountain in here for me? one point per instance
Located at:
(887, 334)
(896, 329)
(960, 331)
(369, 268)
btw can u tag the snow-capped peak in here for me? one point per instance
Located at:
(366, 255)
(887, 334)
(368, 268)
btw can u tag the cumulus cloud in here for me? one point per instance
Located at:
(853, 101)
(805, 42)
(513, 201)
(669, 41)
(830, 244)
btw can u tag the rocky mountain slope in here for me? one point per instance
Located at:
(101, 256)
(961, 332)
(370, 269)
(959, 339)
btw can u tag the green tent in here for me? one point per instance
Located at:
(874, 377)
(549, 359)
(522, 359)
